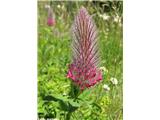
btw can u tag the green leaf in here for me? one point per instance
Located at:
(64, 105)
(74, 104)
(55, 98)
(85, 94)
(97, 106)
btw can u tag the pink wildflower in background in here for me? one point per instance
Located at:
(84, 70)
(50, 19)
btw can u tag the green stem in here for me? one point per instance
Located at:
(68, 116)
(74, 93)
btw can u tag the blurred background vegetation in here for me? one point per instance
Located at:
(54, 55)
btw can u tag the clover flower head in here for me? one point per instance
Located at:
(51, 18)
(84, 70)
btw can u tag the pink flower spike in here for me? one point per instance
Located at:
(51, 18)
(84, 71)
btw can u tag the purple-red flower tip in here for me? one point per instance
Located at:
(84, 78)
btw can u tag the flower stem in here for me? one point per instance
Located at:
(68, 116)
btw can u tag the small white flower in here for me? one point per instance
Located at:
(106, 87)
(58, 6)
(103, 69)
(47, 6)
(105, 17)
(114, 81)
(116, 18)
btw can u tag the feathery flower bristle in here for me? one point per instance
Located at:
(84, 68)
